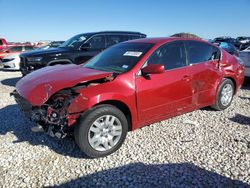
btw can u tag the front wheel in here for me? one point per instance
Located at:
(224, 95)
(101, 131)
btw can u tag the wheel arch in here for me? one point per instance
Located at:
(121, 106)
(59, 61)
(234, 82)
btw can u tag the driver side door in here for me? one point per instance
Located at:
(169, 93)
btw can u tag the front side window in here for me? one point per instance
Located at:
(198, 52)
(97, 42)
(171, 55)
(119, 58)
(1, 42)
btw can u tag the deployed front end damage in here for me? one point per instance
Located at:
(53, 116)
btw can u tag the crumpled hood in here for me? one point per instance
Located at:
(38, 86)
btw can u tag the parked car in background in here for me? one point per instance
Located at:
(244, 42)
(245, 56)
(243, 39)
(15, 50)
(11, 59)
(3, 43)
(248, 48)
(228, 47)
(227, 40)
(53, 44)
(128, 86)
(76, 50)
(11, 62)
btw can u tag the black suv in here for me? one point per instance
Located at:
(77, 49)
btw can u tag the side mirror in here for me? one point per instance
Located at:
(85, 46)
(153, 69)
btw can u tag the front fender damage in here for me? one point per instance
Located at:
(54, 115)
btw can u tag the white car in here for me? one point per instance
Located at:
(245, 56)
(11, 62)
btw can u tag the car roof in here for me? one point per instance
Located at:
(160, 40)
(113, 32)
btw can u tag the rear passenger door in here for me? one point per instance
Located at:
(203, 59)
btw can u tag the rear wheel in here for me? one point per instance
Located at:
(101, 131)
(224, 95)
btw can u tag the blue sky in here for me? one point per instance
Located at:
(33, 20)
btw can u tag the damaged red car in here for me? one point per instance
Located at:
(128, 86)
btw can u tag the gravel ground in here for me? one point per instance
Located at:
(204, 148)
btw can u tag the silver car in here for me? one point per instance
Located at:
(245, 56)
(11, 62)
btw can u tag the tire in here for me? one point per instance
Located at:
(219, 104)
(84, 135)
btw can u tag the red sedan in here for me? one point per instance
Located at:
(128, 86)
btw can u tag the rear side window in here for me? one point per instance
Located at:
(114, 39)
(198, 52)
(171, 55)
(1, 42)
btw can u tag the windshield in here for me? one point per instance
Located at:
(119, 58)
(74, 42)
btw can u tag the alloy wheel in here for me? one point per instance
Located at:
(105, 133)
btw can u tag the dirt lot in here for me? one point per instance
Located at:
(204, 148)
